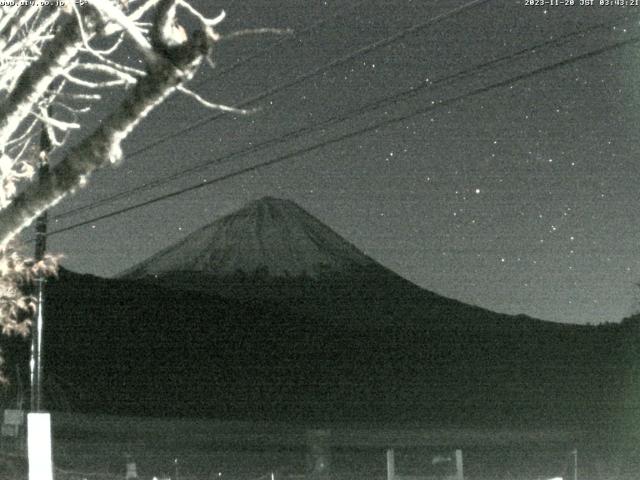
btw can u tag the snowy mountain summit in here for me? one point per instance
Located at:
(269, 235)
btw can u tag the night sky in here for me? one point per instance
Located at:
(520, 198)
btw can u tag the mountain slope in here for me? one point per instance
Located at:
(270, 235)
(272, 250)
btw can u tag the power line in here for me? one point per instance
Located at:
(305, 76)
(414, 90)
(364, 130)
(370, 47)
(371, 128)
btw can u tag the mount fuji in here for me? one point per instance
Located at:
(270, 235)
(273, 250)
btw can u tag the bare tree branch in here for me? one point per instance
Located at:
(35, 80)
(173, 66)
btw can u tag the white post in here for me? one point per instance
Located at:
(459, 466)
(39, 446)
(391, 465)
(131, 471)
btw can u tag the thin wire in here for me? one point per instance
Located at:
(414, 90)
(298, 153)
(305, 76)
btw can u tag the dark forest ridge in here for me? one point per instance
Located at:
(142, 348)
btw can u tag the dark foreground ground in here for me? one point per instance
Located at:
(97, 447)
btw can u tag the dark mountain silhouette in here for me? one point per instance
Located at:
(269, 314)
(273, 250)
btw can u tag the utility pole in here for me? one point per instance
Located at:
(41, 246)
(39, 422)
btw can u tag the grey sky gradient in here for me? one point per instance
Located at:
(522, 199)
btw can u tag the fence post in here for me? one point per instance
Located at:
(391, 465)
(459, 466)
(319, 454)
(39, 446)
(131, 471)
